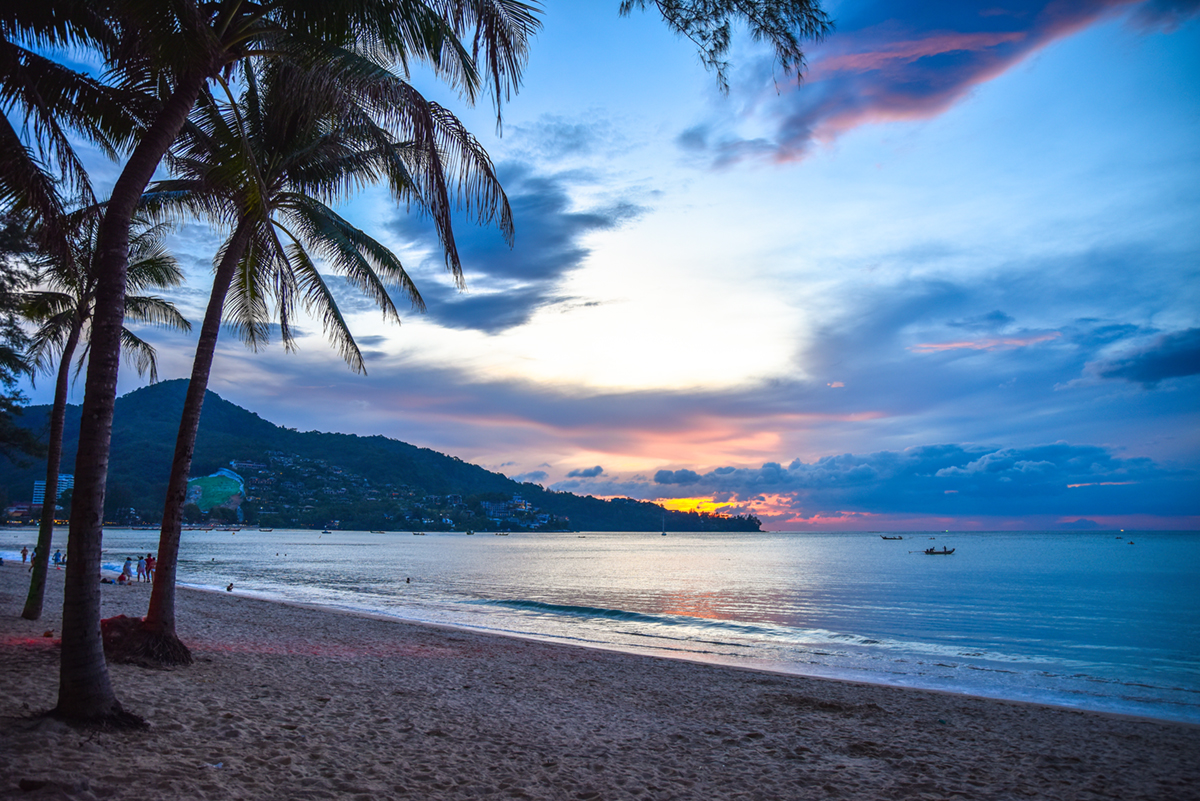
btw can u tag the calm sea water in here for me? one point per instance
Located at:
(1077, 619)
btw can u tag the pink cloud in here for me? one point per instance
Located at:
(1102, 484)
(891, 61)
(894, 56)
(992, 343)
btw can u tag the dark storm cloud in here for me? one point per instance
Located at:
(1169, 356)
(506, 286)
(891, 61)
(590, 472)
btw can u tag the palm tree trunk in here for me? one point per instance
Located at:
(84, 689)
(159, 623)
(58, 414)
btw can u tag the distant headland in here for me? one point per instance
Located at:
(316, 480)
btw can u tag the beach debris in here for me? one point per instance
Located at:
(48, 633)
(212, 765)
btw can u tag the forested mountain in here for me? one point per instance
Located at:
(312, 478)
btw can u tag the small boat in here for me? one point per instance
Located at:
(936, 552)
(378, 531)
(326, 531)
(266, 529)
(890, 538)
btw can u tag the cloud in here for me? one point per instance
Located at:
(680, 477)
(987, 343)
(992, 321)
(1165, 14)
(1169, 356)
(590, 472)
(892, 61)
(951, 479)
(534, 477)
(505, 287)
(557, 138)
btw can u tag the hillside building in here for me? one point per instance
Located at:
(66, 481)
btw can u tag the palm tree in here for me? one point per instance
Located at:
(171, 50)
(53, 101)
(266, 167)
(62, 311)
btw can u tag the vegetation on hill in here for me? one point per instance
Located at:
(296, 478)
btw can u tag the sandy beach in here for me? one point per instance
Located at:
(288, 702)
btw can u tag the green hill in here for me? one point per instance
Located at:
(312, 478)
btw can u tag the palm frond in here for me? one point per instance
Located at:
(155, 311)
(319, 299)
(140, 352)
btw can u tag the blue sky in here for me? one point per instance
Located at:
(949, 281)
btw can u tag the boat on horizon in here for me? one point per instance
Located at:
(890, 538)
(936, 552)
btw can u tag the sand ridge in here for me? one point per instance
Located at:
(292, 702)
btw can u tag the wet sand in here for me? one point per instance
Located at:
(287, 702)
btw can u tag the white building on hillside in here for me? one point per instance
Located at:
(65, 482)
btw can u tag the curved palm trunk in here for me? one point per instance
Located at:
(163, 645)
(84, 689)
(58, 414)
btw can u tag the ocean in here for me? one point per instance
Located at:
(1106, 621)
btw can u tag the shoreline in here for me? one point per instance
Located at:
(295, 702)
(730, 665)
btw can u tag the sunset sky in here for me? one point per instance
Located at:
(950, 281)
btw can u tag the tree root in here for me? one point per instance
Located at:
(114, 720)
(128, 641)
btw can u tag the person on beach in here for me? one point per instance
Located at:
(141, 569)
(57, 558)
(33, 559)
(151, 565)
(24, 554)
(127, 570)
